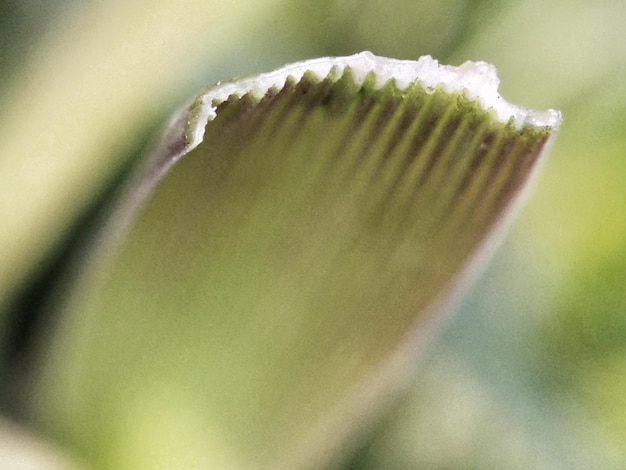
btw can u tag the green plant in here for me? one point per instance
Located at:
(525, 373)
(256, 295)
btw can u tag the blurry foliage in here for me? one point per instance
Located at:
(529, 371)
(21, 23)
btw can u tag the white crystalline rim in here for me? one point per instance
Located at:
(477, 80)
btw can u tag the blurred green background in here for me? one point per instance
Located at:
(529, 370)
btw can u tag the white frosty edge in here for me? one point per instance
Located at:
(477, 80)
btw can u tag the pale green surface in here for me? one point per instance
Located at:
(278, 268)
(21, 449)
(72, 111)
(557, 284)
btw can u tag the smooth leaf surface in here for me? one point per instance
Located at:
(72, 113)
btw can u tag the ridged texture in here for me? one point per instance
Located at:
(279, 265)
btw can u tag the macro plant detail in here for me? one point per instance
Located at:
(260, 290)
(309, 267)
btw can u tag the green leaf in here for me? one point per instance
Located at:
(77, 106)
(260, 293)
